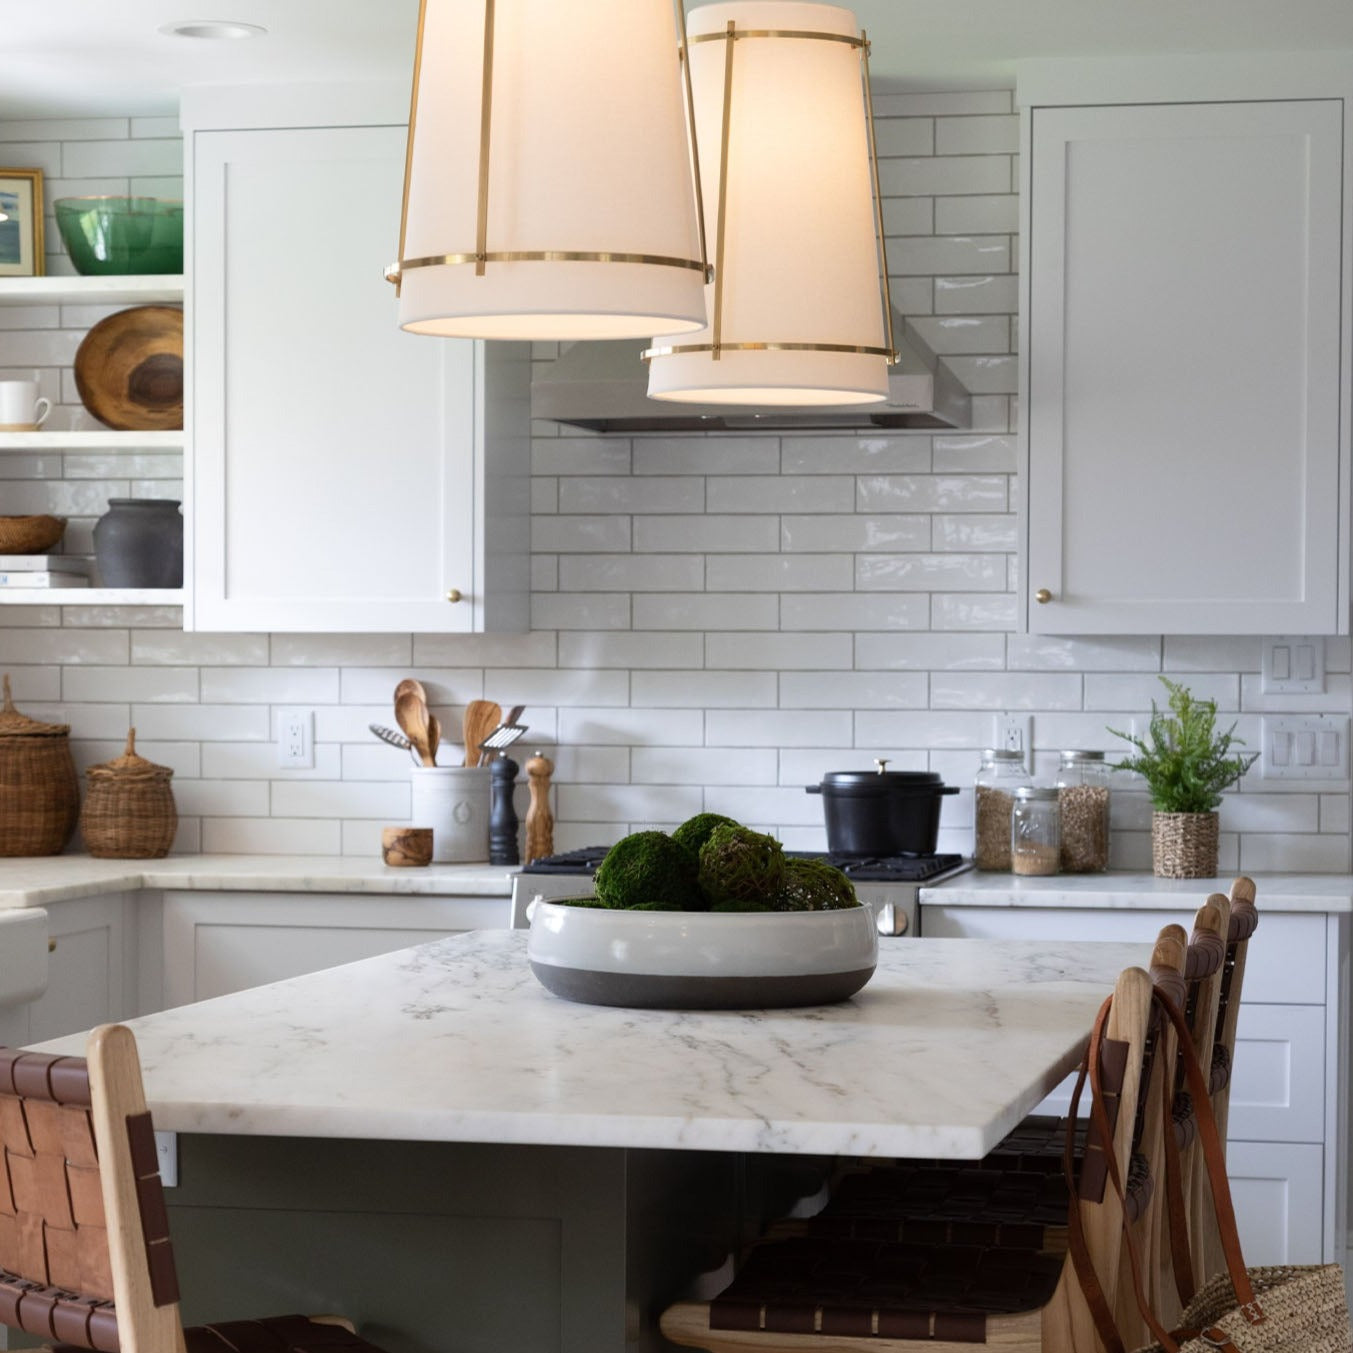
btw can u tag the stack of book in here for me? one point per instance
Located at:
(43, 570)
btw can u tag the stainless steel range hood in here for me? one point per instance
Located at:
(604, 387)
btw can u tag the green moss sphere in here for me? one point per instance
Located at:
(649, 870)
(738, 865)
(695, 831)
(814, 885)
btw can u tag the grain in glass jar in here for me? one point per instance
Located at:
(1035, 831)
(1000, 775)
(1083, 787)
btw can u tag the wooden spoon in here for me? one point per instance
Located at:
(411, 684)
(434, 736)
(481, 718)
(412, 715)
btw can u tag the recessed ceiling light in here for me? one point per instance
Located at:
(215, 29)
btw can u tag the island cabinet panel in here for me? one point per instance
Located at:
(1284, 1133)
(90, 971)
(345, 476)
(1183, 308)
(216, 943)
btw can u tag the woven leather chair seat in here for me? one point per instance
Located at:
(280, 1334)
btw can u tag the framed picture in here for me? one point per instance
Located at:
(21, 223)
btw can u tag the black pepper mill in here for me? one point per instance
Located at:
(502, 812)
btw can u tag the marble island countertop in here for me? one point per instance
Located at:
(946, 1048)
(1132, 891)
(37, 882)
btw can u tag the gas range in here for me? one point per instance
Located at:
(889, 885)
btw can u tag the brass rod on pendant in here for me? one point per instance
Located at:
(396, 277)
(485, 126)
(685, 55)
(878, 203)
(721, 233)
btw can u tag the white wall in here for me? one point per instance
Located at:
(718, 620)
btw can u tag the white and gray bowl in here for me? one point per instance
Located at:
(698, 960)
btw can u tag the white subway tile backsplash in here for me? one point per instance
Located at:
(778, 572)
(702, 690)
(852, 611)
(853, 690)
(712, 532)
(779, 652)
(718, 619)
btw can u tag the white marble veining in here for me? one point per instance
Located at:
(37, 882)
(949, 1045)
(1325, 893)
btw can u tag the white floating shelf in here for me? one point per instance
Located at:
(165, 287)
(91, 596)
(101, 439)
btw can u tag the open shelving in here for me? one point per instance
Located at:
(164, 288)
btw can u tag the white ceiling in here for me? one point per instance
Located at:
(73, 57)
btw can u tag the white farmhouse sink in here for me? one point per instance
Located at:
(23, 955)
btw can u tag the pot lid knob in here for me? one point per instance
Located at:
(881, 763)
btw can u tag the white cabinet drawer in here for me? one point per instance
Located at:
(1285, 963)
(1278, 1087)
(1278, 1195)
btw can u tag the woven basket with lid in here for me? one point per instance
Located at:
(129, 812)
(39, 790)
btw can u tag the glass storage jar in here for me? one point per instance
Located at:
(1001, 773)
(1083, 788)
(1036, 831)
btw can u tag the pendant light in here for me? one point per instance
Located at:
(799, 310)
(548, 186)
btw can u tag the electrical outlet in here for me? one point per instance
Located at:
(1013, 733)
(296, 739)
(167, 1155)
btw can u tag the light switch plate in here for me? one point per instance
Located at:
(1293, 665)
(1304, 747)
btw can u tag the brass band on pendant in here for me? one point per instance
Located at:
(393, 272)
(741, 33)
(853, 348)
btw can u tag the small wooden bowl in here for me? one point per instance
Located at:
(406, 847)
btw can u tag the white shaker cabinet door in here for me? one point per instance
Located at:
(346, 476)
(1183, 295)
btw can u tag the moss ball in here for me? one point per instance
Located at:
(695, 831)
(740, 865)
(649, 870)
(814, 885)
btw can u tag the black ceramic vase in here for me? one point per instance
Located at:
(138, 542)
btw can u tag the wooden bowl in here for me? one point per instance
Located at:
(406, 847)
(129, 369)
(30, 535)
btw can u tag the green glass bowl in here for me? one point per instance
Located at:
(117, 236)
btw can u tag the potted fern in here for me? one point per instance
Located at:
(1187, 764)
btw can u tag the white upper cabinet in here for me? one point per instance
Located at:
(345, 476)
(1183, 303)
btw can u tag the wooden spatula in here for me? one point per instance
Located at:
(481, 718)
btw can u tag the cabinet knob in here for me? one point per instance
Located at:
(1042, 596)
(454, 595)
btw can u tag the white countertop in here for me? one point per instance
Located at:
(948, 1046)
(1328, 893)
(37, 882)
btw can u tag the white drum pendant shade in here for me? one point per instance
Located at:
(587, 153)
(793, 243)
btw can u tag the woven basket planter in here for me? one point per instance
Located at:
(129, 812)
(39, 790)
(1184, 845)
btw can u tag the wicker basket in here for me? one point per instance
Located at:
(30, 535)
(129, 812)
(39, 790)
(1184, 845)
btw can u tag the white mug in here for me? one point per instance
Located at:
(21, 410)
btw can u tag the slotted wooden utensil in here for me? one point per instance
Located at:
(412, 715)
(481, 718)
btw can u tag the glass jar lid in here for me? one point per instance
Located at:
(1001, 754)
(1072, 756)
(1036, 792)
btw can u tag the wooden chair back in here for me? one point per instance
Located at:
(85, 1257)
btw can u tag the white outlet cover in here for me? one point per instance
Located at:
(1293, 665)
(1304, 747)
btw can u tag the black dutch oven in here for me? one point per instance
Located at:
(882, 812)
